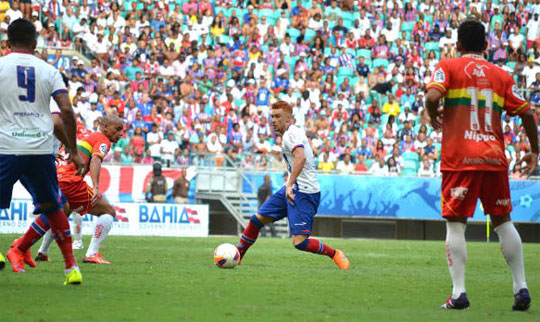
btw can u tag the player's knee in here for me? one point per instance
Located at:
(261, 220)
(300, 241)
(499, 220)
(111, 211)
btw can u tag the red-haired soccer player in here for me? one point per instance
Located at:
(299, 199)
(473, 163)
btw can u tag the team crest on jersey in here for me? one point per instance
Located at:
(103, 148)
(439, 76)
(516, 92)
(292, 137)
(477, 70)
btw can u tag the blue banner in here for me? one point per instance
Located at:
(400, 197)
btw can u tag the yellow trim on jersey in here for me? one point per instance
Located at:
(462, 93)
(441, 86)
(517, 110)
(86, 146)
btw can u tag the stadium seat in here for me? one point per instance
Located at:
(345, 72)
(407, 26)
(309, 34)
(380, 62)
(410, 156)
(366, 53)
(347, 16)
(384, 119)
(369, 162)
(433, 45)
(293, 33)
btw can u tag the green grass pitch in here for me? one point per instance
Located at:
(174, 279)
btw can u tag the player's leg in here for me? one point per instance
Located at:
(459, 195)
(48, 238)
(106, 214)
(275, 208)
(76, 230)
(301, 216)
(12, 169)
(498, 204)
(44, 180)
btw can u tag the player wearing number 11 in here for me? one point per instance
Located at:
(473, 162)
(26, 137)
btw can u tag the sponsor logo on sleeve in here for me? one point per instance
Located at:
(103, 148)
(516, 92)
(439, 76)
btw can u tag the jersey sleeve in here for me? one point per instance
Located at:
(293, 140)
(514, 103)
(58, 85)
(101, 146)
(440, 79)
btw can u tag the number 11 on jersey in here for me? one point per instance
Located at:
(487, 94)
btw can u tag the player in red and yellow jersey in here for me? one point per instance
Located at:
(92, 148)
(473, 163)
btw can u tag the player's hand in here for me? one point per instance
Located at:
(436, 119)
(531, 160)
(289, 194)
(78, 162)
(95, 197)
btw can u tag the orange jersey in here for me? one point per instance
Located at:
(475, 94)
(94, 144)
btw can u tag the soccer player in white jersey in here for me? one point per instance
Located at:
(26, 142)
(299, 198)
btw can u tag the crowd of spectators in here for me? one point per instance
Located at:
(194, 78)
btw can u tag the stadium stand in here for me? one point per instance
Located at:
(206, 72)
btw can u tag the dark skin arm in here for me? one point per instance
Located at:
(95, 169)
(529, 124)
(59, 129)
(70, 129)
(433, 98)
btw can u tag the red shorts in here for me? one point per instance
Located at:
(461, 189)
(77, 192)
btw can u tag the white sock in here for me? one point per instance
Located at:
(46, 243)
(456, 253)
(513, 253)
(76, 227)
(103, 226)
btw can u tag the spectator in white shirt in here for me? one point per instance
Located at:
(426, 169)
(168, 148)
(345, 166)
(516, 40)
(379, 168)
(533, 30)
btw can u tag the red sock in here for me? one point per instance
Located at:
(37, 229)
(60, 228)
(313, 245)
(249, 236)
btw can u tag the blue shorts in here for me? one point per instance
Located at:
(37, 208)
(39, 172)
(300, 215)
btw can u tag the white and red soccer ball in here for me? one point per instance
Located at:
(226, 256)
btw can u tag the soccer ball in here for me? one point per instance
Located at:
(226, 256)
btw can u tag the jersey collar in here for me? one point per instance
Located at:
(474, 56)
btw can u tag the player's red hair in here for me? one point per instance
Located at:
(282, 105)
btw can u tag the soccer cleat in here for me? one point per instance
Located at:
(341, 260)
(73, 277)
(16, 259)
(42, 257)
(96, 259)
(78, 244)
(462, 302)
(2, 262)
(27, 255)
(522, 300)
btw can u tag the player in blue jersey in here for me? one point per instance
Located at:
(26, 142)
(299, 198)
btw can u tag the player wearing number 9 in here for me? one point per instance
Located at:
(26, 140)
(473, 162)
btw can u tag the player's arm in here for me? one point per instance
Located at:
(529, 124)
(298, 165)
(59, 129)
(433, 99)
(70, 128)
(95, 169)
